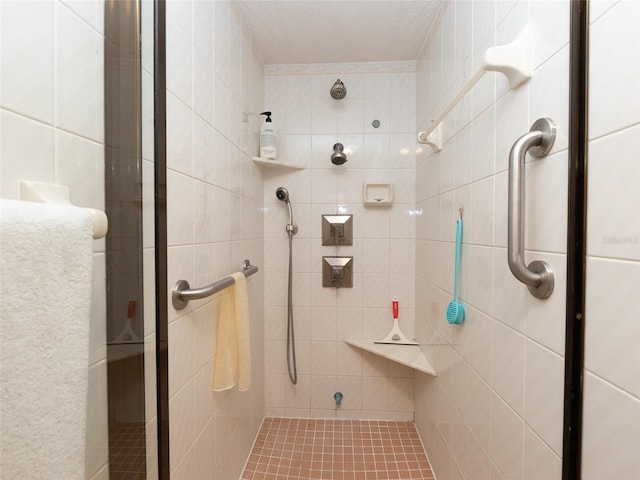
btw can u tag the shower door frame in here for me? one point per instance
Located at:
(576, 239)
(160, 209)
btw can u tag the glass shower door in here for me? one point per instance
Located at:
(611, 408)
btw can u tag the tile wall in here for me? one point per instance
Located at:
(309, 122)
(214, 222)
(612, 356)
(52, 130)
(495, 409)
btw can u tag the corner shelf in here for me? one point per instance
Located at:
(408, 355)
(266, 163)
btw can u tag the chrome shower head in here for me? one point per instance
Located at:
(282, 194)
(338, 157)
(338, 91)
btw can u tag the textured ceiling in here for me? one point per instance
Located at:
(332, 31)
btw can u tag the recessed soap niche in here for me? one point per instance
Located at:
(378, 194)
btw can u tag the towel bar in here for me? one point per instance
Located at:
(182, 293)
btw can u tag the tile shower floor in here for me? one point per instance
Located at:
(290, 448)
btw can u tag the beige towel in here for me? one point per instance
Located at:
(233, 347)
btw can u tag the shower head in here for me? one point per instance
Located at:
(338, 91)
(282, 194)
(338, 157)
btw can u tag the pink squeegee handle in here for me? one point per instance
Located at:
(395, 308)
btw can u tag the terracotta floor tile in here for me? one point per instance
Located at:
(308, 449)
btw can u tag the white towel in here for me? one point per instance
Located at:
(45, 296)
(233, 344)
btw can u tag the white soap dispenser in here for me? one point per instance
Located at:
(267, 138)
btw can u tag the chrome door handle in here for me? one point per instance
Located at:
(538, 142)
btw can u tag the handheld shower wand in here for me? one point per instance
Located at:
(283, 195)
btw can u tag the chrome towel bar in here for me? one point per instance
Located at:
(182, 293)
(538, 142)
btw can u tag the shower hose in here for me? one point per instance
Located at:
(291, 343)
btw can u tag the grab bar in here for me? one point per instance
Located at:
(182, 293)
(538, 276)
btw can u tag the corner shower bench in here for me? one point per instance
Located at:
(408, 355)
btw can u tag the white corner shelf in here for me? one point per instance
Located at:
(408, 355)
(267, 163)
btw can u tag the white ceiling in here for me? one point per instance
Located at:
(333, 31)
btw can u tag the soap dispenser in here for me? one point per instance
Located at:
(267, 138)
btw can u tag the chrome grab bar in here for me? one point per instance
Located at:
(538, 142)
(182, 293)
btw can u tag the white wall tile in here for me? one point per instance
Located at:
(476, 267)
(27, 49)
(203, 81)
(400, 394)
(614, 70)
(180, 136)
(512, 121)
(509, 366)
(599, 8)
(544, 380)
(324, 115)
(611, 346)
(549, 93)
(222, 104)
(181, 355)
(323, 324)
(482, 220)
(350, 115)
(204, 463)
(299, 395)
(180, 54)
(546, 204)
(550, 28)
(613, 174)
(97, 438)
(204, 151)
(182, 412)
(179, 209)
(98, 325)
(26, 148)
(323, 358)
(476, 340)
(540, 462)
(610, 431)
(79, 90)
(322, 391)
(374, 393)
(507, 440)
(376, 150)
